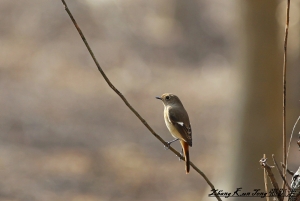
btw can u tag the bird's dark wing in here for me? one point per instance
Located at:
(180, 119)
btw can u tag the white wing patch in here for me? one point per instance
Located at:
(180, 123)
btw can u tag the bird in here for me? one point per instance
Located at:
(178, 123)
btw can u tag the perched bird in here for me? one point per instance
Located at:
(178, 123)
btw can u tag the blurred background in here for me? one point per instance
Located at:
(65, 135)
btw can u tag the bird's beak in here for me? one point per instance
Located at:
(157, 97)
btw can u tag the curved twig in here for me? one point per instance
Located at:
(127, 103)
(280, 172)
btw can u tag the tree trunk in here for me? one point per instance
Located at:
(261, 117)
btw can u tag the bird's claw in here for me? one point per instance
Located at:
(169, 143)
(167, 146)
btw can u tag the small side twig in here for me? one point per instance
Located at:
(265, 165)
(266, 180)
(127, 103)
(280, 172)
(288, 150)
(288, 170)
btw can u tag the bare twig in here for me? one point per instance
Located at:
(266, 180)
(287, 170)
(127, 103)
(288, 151)
(280, 172)
(284, 87)
(264, 164)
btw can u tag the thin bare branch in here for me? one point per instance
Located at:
(284, 87)
(280, 172)
(127, 103)
(287, 170)
(264, 164)
(266, 180)
(288, 150)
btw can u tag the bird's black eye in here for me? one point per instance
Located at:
(167, 97)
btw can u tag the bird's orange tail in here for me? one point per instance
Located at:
(186, 154)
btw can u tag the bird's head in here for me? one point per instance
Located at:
(169, 99)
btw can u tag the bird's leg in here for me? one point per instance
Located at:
(169, 143)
